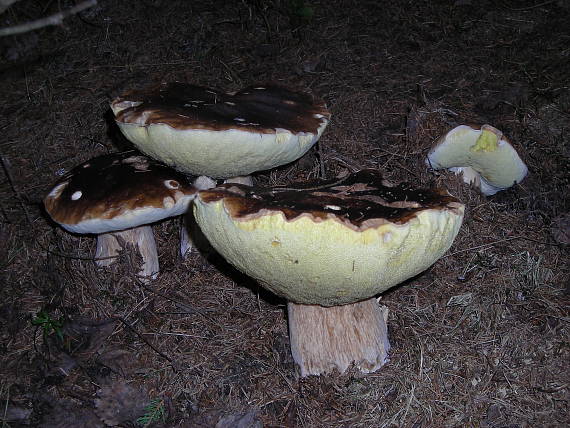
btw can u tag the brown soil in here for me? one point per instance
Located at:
(479, 340)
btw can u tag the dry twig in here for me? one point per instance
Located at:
(55, 19)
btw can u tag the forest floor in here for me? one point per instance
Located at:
(481, 339)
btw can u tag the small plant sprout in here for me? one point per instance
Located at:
(154, 412)
(48, 324)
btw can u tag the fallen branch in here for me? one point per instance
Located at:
(55, 19)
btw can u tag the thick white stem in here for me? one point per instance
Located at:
(186, 243)
(188, 227)
(142, 238)
(328, 338)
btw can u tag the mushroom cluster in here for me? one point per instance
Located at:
(184, 131)
(327, 246)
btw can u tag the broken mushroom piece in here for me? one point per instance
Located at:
(484, 156)
(117, 197)
(330, 243)
(202, 131)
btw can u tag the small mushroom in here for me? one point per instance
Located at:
(328, 247)
(202, 131)
(483, 155)
(117, 197)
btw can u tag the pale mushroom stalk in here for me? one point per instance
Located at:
(140, 238)
(327, 338)
(329, 247)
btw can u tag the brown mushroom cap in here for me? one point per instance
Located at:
(259, 108)
(116, 192)
(203, 131)
(359, 201)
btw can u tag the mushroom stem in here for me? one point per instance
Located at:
(328, 338)
(190, 234)
(186, 243)
(141, 238)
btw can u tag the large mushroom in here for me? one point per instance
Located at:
(328, 247)
(482, 154)
(117, 197)
(203, 131)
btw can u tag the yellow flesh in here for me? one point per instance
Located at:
(487, 142)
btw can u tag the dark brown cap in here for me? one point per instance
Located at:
(361, 200)
(259, 108)
(118, 191)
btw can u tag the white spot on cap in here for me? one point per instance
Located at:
(332, 207)
(87, 165)
(172, 184)
(248, 124)
(230, 103)
(239, 119)
(76, 195)
(259, 87)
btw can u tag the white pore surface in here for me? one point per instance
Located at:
(220, 154)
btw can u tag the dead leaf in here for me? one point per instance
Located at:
(120, 403)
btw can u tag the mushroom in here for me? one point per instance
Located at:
(117, 196)
(329, 247)
(202, 131)
(482, 154)
(205, 132)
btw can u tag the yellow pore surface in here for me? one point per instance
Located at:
(219, 154)
(495, 159)
(326, 262)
